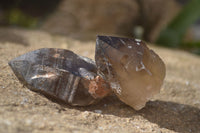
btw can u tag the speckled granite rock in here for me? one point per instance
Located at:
(176, 108)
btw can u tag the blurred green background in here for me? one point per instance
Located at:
(171, 23)
(25, 13)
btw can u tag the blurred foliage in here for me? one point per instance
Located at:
(26, 13)
(173, 35)
(193, 46)
(30, 13)
(18, 18)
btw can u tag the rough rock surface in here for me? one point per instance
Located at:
(176, 108)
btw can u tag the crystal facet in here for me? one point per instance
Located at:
(57, 74)
(135, 72)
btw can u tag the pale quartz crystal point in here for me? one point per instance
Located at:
(135, 72)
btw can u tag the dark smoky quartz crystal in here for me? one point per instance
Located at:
(58, 74)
